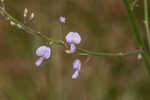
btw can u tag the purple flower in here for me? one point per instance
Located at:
(75, 75)
(62, 19)
(39, 61)
(72, 48)
(77, 67)
(73, 38)
(44, 52)
(77, 64)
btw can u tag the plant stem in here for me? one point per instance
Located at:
(133, 22)
(138, 37)
(109, 54)
(146, 22)
(61, 43)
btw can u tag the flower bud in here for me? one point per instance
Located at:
(25, 12)
(32, 16)
(62, 19)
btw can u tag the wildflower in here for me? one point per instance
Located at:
(77, 64)
(75, 75)
(44, 52)
(62, 19)
(73, 38)
(77, 67)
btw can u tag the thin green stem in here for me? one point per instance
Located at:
(138, 37)
(61, 43)
(133, 22)
(146, 22)
(109, 54)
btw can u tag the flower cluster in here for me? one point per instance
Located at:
(72, 38)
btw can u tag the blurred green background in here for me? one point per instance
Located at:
(104, 27)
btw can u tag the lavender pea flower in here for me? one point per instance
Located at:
(77, 67)
(44, 52)
(73, 38)
(77, 64)
(62, 19)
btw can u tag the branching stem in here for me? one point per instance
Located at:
(137, 34)
(146, 22)
(27, 29)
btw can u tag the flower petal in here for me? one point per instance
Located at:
(39, 61)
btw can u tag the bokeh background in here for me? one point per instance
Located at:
(104, 27)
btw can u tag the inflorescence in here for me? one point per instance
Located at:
(71, 38)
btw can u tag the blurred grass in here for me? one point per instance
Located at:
(103, 25)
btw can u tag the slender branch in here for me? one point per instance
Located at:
(133, 22)
(138, 37)
(146, 22)
(109, 54)
(27, 29)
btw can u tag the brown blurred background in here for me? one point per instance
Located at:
(104, 27)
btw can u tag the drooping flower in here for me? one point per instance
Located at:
(77, 64)
(73, 38)
(72, 48)
(75, 75)
(77, 67)
(62, 19)
(39, 61)
(44, 52)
